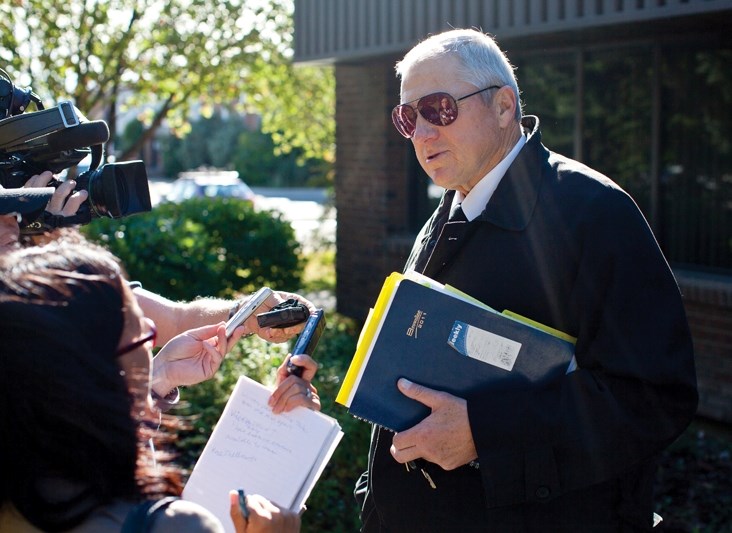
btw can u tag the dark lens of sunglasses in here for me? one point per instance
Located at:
(404, 118)
(439, 109)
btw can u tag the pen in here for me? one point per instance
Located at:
(243, 504)
(420, 464)
(294, 369)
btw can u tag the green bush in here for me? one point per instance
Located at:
(203, 247)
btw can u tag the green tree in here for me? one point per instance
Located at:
(225, 141)
(167, 56)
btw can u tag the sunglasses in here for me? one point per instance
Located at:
(149, 336)
(440, 109)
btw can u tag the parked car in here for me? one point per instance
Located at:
(211, 184)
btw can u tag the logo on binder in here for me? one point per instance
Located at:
(417, 323)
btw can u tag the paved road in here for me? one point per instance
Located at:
(313, 220)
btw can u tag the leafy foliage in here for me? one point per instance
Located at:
(210, 247)
(228, 141)
(171, 57)
(304, 116)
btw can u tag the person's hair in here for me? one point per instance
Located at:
(481, 61)
(69, 440)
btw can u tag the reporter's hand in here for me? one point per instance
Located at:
(293, 391)
(264, 516)
(191, 357)
(277, 335)
(65, 201)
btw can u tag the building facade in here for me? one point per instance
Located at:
(638, 89)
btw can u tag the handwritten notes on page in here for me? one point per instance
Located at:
(280, 456)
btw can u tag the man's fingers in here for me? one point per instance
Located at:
(422, 394)
(58, 200)
(404, 455)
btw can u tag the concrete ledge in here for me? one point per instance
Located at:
(702, 287)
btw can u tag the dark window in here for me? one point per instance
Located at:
(617, 118)
(696, 156)
(547, 85)
(693, 196)
(423, 195)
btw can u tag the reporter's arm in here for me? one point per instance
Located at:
(191, 357)
(173, 318)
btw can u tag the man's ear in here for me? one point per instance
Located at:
(505, 101)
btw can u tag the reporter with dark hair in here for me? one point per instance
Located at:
(173, 318)
(75, 403)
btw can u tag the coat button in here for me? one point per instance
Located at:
(542, 493)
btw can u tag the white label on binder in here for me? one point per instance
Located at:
(484, 345)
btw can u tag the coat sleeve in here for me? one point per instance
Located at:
(634, 391)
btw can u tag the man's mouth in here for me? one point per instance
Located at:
(432, 157)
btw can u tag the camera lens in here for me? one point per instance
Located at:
(119, 189)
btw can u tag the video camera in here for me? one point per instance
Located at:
(58, 138)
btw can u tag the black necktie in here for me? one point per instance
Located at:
(457, 214)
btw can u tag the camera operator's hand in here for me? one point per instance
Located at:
(65, 201)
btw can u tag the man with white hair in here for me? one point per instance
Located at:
(525, 229)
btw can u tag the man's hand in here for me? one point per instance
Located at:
(191, 357)
(65, 201)
(276, 335)
(293, 391)
(444, 437)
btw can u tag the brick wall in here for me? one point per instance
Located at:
(708, 302)
(370, 184)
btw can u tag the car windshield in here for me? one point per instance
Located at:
(225, 190)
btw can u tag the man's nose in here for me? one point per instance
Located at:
(423, 129)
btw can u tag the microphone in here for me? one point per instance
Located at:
(85, 134)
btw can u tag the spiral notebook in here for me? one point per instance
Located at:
(280, 456)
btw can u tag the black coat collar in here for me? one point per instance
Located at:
(514, 200)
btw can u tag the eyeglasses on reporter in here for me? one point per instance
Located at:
(150, 336)
(439, 109)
